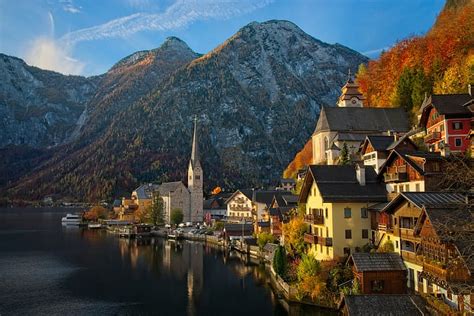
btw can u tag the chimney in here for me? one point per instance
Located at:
(360, 174)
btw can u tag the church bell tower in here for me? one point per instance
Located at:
(195, 180)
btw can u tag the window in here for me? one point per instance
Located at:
(396, 244)
(407, 188)
(327, 251)
(347, 212)
(457, 142)
(377, 286)
(327, 232)
(364, 213)
(347, 251)
(348, 234)
(457, 125)
(190, 177)
(198, 177)
(365, 233)
(326, 212)
(320, 248)
(395, 221)
(417, 187)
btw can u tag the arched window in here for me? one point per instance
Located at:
(326, 143)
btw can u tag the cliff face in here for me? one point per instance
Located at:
(257, 97)
(39, 108)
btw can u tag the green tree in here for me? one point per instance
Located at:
(176, 216)
(344, 157)
(280, 261)
(157, 214)
(387, 247)
(308, 266)
(264, 238)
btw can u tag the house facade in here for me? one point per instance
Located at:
(239, 206)
(447, 120)
(337, 200)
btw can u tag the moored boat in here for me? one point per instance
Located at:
(71, 219)
(94, 225)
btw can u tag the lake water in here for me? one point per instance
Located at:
(48, 269)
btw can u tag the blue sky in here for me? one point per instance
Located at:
(88, 37)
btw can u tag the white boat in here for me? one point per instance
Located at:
(94, 225)
(71, 219)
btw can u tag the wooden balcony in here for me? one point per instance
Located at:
(407, 233)
(384, 227)
(396, 174)
(314, 219)
(412, 257)
(435, 270)
(432, 137)
(325, 241)
(310, 238)
(240, 208)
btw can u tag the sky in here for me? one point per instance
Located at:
(87, 37)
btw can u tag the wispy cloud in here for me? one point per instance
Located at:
(69, 6)
(375, 52)
(56, 54)
(178, 15)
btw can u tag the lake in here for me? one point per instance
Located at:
(46, 268)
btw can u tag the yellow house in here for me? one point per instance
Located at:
(337, 199)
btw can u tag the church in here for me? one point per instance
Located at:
(175, 194)
(350, 123)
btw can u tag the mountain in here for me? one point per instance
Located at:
(256, 96)
(441, 61)
(39, 108)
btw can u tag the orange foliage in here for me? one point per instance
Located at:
(449, 43)
(302, 159)
(95, 213)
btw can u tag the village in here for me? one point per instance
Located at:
(382, 217)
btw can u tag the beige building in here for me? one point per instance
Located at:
(239, 206)
(350, 122)
(337, 199)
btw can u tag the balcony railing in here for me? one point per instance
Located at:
(325, 241)
(407, 233)
(412, 257)
(432, 137)
(310, 238)
(396, 173)
(435, 270)
(384, 227)
(239, 218)
(240, 208)
(314, 219)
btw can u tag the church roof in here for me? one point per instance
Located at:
(195, 147)
(145, 190)
(167, 187)
(360, 120)
(350, 90)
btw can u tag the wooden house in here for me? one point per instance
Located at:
(447, 120)
(379, 273)
(411, 171)
(279, 211)
(239, 206)
(447, 243)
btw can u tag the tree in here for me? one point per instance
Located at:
(96, 212)
(293, 234)
(264, 238)
(387, 247)
(308, 266)
(344, 157)
(176, 216)
(279, 261)
(156, 212)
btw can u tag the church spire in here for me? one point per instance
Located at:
(195, 146)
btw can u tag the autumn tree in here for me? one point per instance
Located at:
(264, 238)
(293, 234)
(95, 213)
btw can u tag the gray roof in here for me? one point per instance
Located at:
(349, 137)
(378, 261)
(353, 119)
(381, 142)
(428, 198)
(339, 184)
(266, 197)
(449, 104)
(385, 305)
(167, 187)
(145, 190)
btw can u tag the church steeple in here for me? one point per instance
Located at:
(195, 147)
(350, 96)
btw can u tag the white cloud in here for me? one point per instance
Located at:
(178, 15)
(69, 6)
(375, 52)
(46, 53)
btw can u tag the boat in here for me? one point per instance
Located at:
(72, 219)
(94, 225)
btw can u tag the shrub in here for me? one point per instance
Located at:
(387, 247)
(264, 238)
(279, 261)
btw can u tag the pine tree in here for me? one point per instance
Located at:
(344, 158)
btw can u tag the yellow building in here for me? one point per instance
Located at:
(337, 199)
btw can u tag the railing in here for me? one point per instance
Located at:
(325, 241)
(240, 208)
(310, 238)
(239, 218)
(384, 227)
(396, 173)
(432, 137)
(412, 257)
(407, 233)
(435, 270)
(314, 219)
